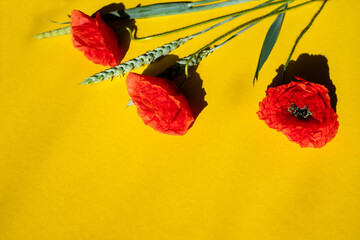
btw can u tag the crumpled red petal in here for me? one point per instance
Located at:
(160, 104)
(93, 37)
(315, 131)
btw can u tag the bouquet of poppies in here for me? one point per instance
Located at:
(298, 108)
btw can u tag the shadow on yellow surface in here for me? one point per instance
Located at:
(313, 68)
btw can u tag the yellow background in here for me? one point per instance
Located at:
(76, 164)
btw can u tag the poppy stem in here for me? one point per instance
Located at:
(154, 10)
(228, 17)
(244, 25)
(173, 8)
(200, 56)
(151, 56)
(300, 36)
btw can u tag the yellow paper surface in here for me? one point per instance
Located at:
(75, 163)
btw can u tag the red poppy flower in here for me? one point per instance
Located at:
(160, 104)
(93, 37)
(302, 111)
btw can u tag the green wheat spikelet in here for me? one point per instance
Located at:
(137, 62)
(53, 33)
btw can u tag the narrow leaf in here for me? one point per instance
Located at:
(270, 40)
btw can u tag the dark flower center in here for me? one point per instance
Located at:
(302, 113)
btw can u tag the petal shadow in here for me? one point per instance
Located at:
(313, 68)
(118, 25)
(192, 88)
(195, 93)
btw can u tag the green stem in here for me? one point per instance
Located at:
(154, 10)
(201, 2)
(301, 35)
(179, 66)
(245, 25)
(173, 8)
(264, 5)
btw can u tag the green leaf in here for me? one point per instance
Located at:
(270, 40)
